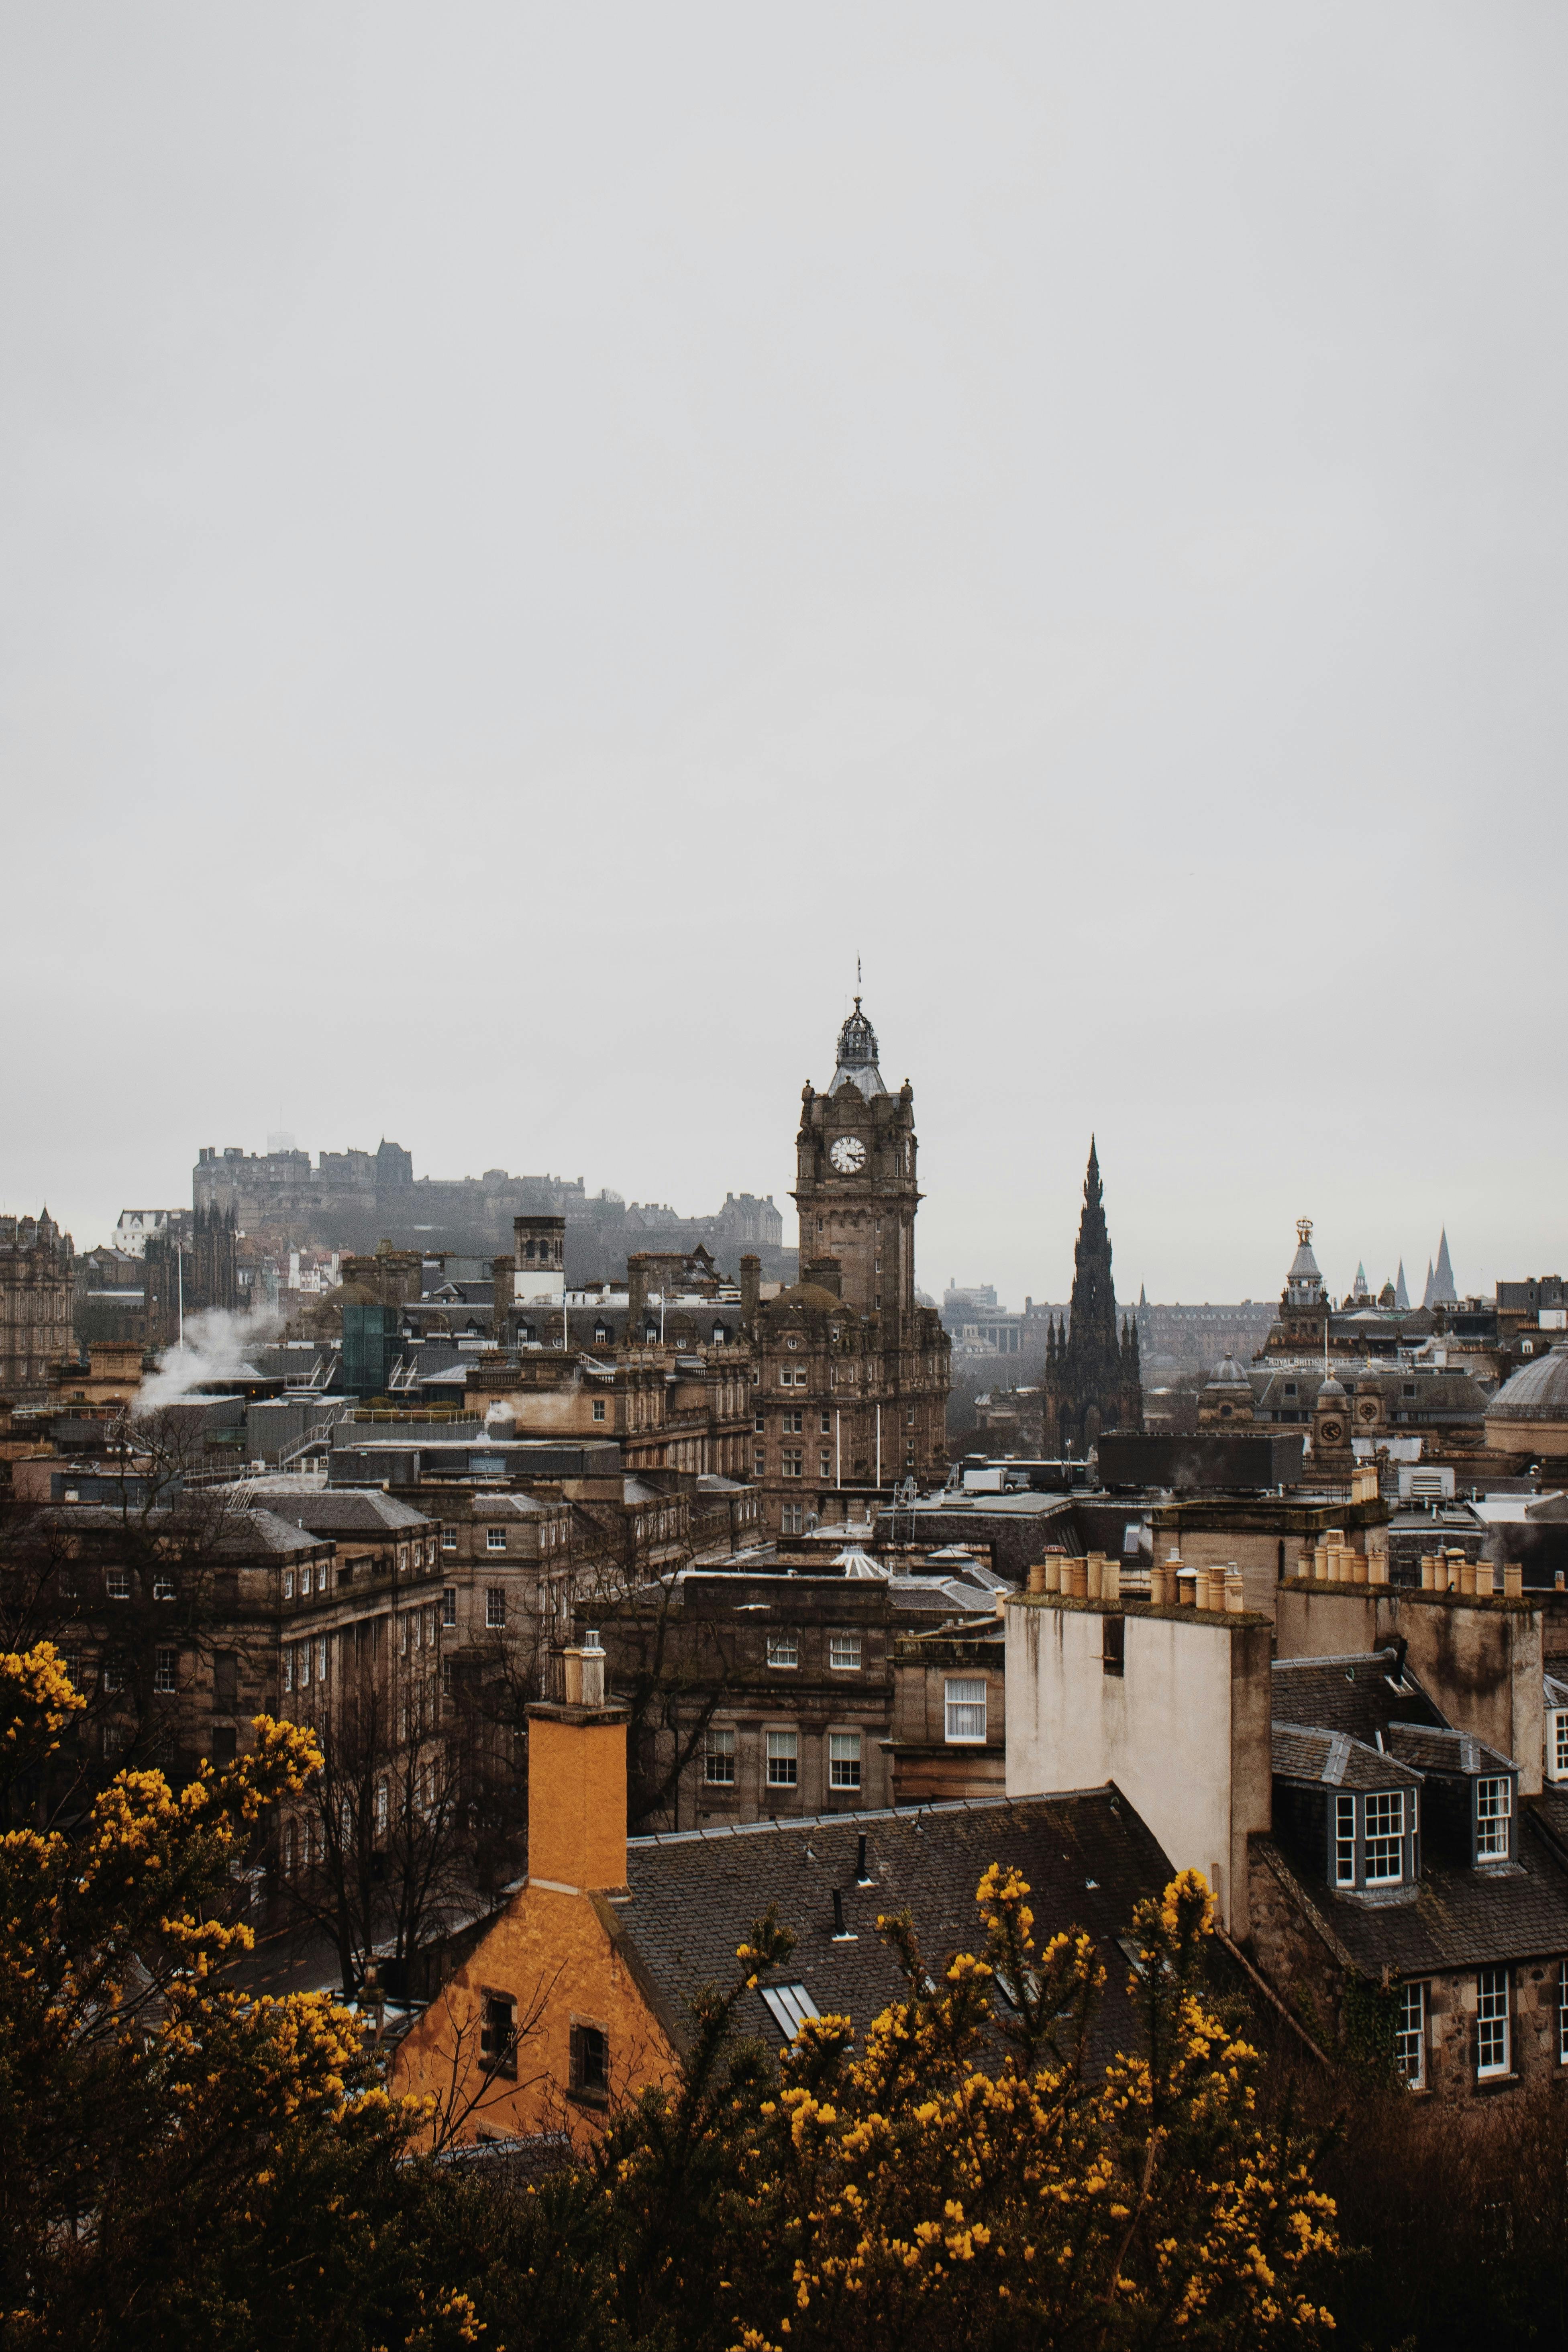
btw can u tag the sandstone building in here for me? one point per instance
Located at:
(37, 1286)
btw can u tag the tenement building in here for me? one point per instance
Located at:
(850, 1374)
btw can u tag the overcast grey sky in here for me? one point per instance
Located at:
(533, 535)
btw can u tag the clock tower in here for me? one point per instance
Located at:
(849, 1372)
(855, 1180)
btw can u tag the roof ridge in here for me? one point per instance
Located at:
(651, 1838)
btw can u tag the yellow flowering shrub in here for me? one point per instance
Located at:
(164, 2133)
(960, 2173)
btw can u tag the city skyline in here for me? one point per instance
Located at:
(1064, 511)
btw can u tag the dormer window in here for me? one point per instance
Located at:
(1385, 1847)
(1494, 1817)
(1557, 1743)
(1374, 1838)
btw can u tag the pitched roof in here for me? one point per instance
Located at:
(341, 1510)
(1435, 1749)
(1450, 1920)
(1303, 1753)
(1088, 1857)
(1354, 1695)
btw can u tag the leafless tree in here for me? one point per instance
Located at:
(379, 1856)
(140, 1572)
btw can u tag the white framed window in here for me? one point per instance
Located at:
(784, 1759)
(448, 1539)
(784, 1649)
(1494, 1808)
(403, 1634)
(789, 2005)
(166, 1671)
(1345, 1841)
(1562, 2013)
(304, 1659)
(794, 1518)
(1385, 1837)
(1557, 1743)
(825, 1422)
(495, 1606)
(759, 1462)
(843, 1759)
(305, 1584)
(495, 1540)
(598, 1408)
(844, 1652)
(117, 1584)
(1410, 2035)
(792, 1462)
(719, 1768)
(791, 1424)
(1492, 2036)
(163, 1588)
(322, 1659)
(288, 1584)
(964, 1707)
(288, 1670)
(909, 1418)
(381, 1809)
(825, 1464)
(450, 1604)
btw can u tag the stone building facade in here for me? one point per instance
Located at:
(37, 1296)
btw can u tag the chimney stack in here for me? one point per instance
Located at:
(637, 1294)
(577, 1784)
(751, 1288)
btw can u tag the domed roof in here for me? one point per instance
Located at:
(1537, 1392)
(857, 1061)
(1331, 1388)
(1228, 1374)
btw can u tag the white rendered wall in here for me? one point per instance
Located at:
(1163, 1730)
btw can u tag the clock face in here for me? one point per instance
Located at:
(1331, 1432)
(848, 1155)
(1369, 1411)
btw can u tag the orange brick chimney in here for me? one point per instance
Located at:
(577, 1785)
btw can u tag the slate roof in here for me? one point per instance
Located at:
(1450, 1920)
(1434, 1750)
(1088, 1857)
(343, 1510)
(1352, 1694)
(1332, 1757)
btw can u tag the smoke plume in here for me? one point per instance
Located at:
(217, 1342)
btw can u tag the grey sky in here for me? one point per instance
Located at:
(533, 535)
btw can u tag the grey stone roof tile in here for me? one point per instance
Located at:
(1089, 1859)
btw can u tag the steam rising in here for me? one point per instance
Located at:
(217, 1342)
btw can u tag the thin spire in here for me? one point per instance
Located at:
(1401, 1296)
